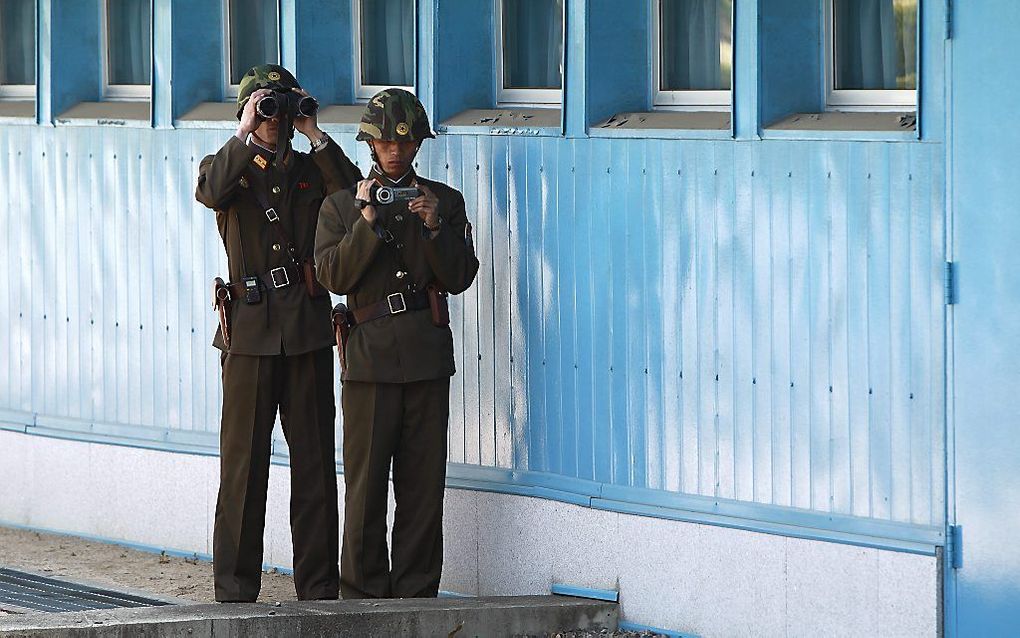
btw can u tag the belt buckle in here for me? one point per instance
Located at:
(280, 277)
(272, 216)
(396, 303)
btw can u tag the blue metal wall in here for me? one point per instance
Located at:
(983, 595)
(759, 322)
(744, 331)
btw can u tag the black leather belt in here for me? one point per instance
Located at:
(393, 304)
(281, 277)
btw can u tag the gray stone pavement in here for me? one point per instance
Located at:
(451, 617)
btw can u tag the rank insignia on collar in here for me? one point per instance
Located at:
(261, 162)
(244, 182)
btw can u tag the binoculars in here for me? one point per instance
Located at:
(279, 102)
(390, 194)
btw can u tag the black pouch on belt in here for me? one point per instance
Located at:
(439, 306)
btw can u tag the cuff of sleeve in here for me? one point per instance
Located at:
(326, 141)
(363, 231)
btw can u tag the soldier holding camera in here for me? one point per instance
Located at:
(275, 333)
(396, 246)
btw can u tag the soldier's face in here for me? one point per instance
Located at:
(395, 157)
(268, 130)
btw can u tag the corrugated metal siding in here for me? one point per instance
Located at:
(759, 321)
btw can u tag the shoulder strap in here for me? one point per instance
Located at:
(272, 217)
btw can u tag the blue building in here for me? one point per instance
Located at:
(743, 344)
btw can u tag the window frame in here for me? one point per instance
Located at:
(230, 91)
(690, 99)
(541, 98)
(864, 99)
(23, 92)
(121, 92)
(364, 92)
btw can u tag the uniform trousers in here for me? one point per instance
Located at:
(254, 387)
(406, 424)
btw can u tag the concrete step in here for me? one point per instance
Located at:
(452, 617)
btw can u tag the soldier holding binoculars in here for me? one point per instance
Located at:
(275, 333)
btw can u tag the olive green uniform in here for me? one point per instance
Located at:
(279, 357)
(396, 385)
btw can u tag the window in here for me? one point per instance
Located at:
(530, 52)
(17, 49)
(871, 53)
(384, 45)
(127, 66)
(252, 38)
(692, 60)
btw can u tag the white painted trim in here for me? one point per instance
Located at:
(858, 99)
(17, 92)
(526, 97)
(119, 91)
(230, 90)
(366, 91)
(684, 100)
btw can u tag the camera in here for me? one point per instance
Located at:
(279, 102)
(389, 194)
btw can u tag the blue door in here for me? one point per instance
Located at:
(983, 595)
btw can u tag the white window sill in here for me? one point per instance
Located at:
(133, 114)
(526, 121)
(666, 125)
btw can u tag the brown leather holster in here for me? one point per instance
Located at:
(342, 332)
(312, 285)
(439, 305)
(221, 303)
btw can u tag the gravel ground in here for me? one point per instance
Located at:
(119, 567)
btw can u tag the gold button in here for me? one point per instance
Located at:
(276, 247)
(276, 190)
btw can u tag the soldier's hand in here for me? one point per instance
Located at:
(426, 205)
(307, 126)
(249, 116)
(365, 193)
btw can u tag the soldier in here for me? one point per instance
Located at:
(395, 262)
(275, 334)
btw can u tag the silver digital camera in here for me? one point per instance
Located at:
(389, 194)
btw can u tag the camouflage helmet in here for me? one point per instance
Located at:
(265, 76)
(394, 115)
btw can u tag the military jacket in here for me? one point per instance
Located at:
(287, 320)
(353, 258)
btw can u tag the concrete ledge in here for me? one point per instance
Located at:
(129, 113)
(496, 616)
(525, 121)
(17, 110)
(892, 121)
